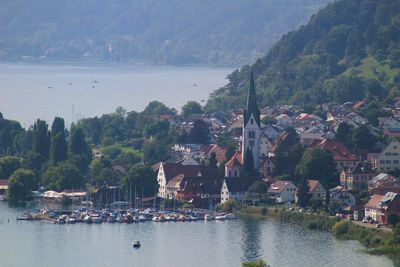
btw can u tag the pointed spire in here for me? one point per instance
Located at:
(251, 107)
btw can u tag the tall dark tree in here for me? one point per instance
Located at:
(363, 138)
(248, 164)
(344, 133)
(200, 133)
(58, 144)
(78, 144)
(190, 108)
(212, 161)
(58, 148)
(303, 195)
(318, 164)
(41, 138)
(58, 126)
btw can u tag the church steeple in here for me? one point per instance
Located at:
(251, 107)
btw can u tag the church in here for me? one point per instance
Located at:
(250, 151)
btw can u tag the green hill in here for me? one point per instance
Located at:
(223, 32)
(350, 50)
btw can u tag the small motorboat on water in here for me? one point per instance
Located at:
(136, 244)
(208, 217)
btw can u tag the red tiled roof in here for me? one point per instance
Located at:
(173, 169)
(312, 184)
(3, 182)
(338, 150)
(219, 152)
(236, 160)
(374, 201)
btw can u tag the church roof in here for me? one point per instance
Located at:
(251, 106)
(236, 160)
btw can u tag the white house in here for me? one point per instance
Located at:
(283, 191)
(389, 159)
(234, 188)
(342, 196)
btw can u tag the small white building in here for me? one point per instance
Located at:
(317, 191)
(234, 188)
(283, 191)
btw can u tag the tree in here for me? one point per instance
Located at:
(190, 108)
(344, 133)
(22, 182)
(212, 161)
(303, 194)
(258, 188)
(393, 219)
(318, 164)
(257, 263)
(158, 108)
(41, 138)
(63, 176)
(142, 180)
(155, 150)
(79, 146)
(248, 165)
(362, 138)
(200, 133)
(58, 148)
(8, 165)
(58, 143)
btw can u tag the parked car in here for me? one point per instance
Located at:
(378, 225)
(365, 220)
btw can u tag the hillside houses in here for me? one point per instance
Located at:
(357, 177)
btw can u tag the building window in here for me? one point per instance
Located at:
(251, 121)
(388, 161)
(382, 162)
(252, 134)
(395, 161)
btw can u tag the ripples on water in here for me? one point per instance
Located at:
(174, 244)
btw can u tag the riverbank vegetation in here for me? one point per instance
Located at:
(376, 241)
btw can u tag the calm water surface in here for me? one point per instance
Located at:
(31, 91)
(172, 244)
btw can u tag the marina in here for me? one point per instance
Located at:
(92, 216)
(195, 243)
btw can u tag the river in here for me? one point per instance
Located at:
(77, 90)
(173, 244)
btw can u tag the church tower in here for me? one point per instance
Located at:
(251, 127)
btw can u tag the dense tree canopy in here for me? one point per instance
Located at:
(347, 52)
(158, 31)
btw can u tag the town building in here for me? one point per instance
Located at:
(380, 207)
(389, 158)
(316, 190)
(235, 188)
(357, 178)
(342, 157)
(342, 196)
(282, 191)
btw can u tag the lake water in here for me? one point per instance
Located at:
(31, 91)
(173, 244)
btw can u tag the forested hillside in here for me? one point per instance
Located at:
(350, 50)
(222, 32)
